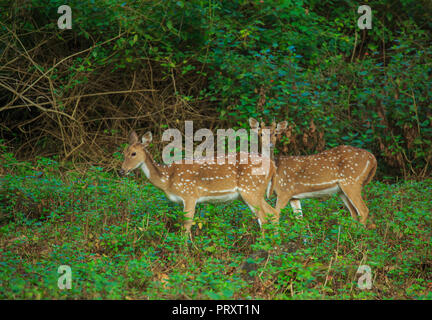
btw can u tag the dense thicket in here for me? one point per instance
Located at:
(153, 64)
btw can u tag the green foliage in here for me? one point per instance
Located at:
(303, 61)
(123, 240)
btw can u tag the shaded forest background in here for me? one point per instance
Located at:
(150, 65)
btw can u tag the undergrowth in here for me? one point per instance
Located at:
(122, 239)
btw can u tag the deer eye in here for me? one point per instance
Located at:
(133, 154)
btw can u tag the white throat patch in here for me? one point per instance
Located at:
(145, 169)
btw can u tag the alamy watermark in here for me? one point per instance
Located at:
(365, 280)
(65, 20)
(365, 20)
(205, 151)
(65, 280)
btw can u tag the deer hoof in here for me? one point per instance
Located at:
(372, 226)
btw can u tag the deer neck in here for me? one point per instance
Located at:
(154, 171)
(272, 156)
(269, 154)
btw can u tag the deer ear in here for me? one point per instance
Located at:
(147, 138)
(133, 138)
(282, 125)
(253, 123)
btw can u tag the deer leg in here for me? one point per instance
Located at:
(296, 206)
(349, 206)
(353, 193)
(268, 209)
(189, 208)
(282, 201)
(255, 205)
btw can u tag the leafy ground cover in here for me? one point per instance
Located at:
(122, 239)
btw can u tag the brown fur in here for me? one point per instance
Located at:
(343, 169)
(201, 181)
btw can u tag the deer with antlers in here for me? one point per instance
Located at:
(204, 180)
(343, 170)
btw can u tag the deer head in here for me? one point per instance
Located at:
(135, 154)
(276, 131)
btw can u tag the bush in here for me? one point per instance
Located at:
(136, 64)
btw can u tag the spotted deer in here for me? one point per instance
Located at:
(201, 181)
(343, 170)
